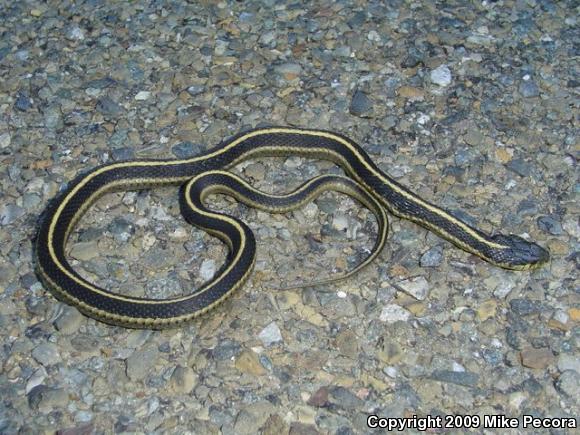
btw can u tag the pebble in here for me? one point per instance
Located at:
(162, 288)
(340, 222)
(256, 171)
(520, 167)
(107, 107)
(141, 362)
(84, 251)
(226, 350)
(83, 416)
(195, 90)
(246, 423)
(270, 335)
(37, 378)
(393, 313)
(75, 33)
(207, 269)
(137, 338)
(252, 417)
(492, 356)
(486, 310)
(69, 320)
(525, 307)
(463, 378)
(319, 398)
(121, 229)
(42, 397)
(249, 362)
(529, 89)
(23, 102)
(53, 117)
(82, 429)
(183, 380)
(412, 59)
(123, 154)
(184, 150)
(569, 384)
(5, 140)
(411, 93)
(432, 258)
(9, 213)
(441, 76)
(418, 287)
(527, 208)
(46, 354)
(550, 225)
(343, 398)
(289, 71)
(568, 362)
(142, 95)
(346, 343)
(537, 358)
(361, 104)
(390, 353)
(501, 285)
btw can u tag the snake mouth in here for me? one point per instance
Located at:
(519, 254)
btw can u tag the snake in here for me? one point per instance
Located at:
(206, 173)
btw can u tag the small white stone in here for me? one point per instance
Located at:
(76, 33)
(571, 226)
(159, 214)
(180, 233)
(374, 36)
(457, 367)
(417, 287)
(207, 270)
(340, 221)
(310, 210)
(270, 334)
(5, 140)
(561, 316)
(441, 76)
(143, 95)
(568, 362)
(503, 289)
(35, 379)
(293, 162)
(423, 119)
(393, 313)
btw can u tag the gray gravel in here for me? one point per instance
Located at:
(471, 104)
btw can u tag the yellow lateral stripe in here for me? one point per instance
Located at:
(143, 321)
(100, 291)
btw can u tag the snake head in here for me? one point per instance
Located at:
(519, 254)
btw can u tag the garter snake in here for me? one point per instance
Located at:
(507, 251)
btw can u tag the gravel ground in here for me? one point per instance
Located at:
(472, 104)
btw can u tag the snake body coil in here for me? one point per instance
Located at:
(375, 189)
